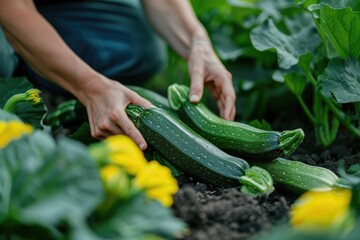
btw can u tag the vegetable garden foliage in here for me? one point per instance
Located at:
(301, 46)
(29, 113)
(52, 188)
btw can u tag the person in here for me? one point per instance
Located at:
(90, 49)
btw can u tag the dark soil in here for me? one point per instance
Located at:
(227, 214)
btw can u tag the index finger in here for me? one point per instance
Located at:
(130, 130)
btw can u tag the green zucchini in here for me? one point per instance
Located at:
(298, 177)
(188, 151)
(235, 138)
(155, 98)
(70, 113)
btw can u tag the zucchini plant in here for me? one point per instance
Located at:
(233, 137)
(322, 56)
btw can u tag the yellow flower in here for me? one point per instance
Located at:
(12, 130)
(115, 180)
(33, 96)
(125, 153)
(322, 210)
(157, 182)
(119, 150)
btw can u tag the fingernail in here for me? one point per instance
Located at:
(194, 98)
(152, 106)
(142, 146)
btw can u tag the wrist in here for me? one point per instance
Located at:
(94, 85)
(199, 34)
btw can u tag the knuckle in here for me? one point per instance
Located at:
(128, 130)
(97, 134)
(195, 72)
(229, 75)
(232, 96)
(113, 116)
(103, 126)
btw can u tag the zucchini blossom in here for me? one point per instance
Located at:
(157, 182)
(12, 130)
(31, 96)
(323, 211)
(119, 150)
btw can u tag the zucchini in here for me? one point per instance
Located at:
(70, 113)
(189, 152)
(155, 98)
(298, 177)
(235, 138)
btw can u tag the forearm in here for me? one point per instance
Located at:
(176, 22)
(34, 39)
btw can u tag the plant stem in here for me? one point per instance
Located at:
(342, 118)
(334, 129)
(31, 96)
(340, 115)
(325, 122)
(15, 99)
(357, 111)
(306, 110)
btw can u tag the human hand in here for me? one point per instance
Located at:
(105, 102)
(206, 69)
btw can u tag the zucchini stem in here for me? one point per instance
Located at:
(289, 140)
(256, 181)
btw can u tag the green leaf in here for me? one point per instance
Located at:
(6, 116)
(305, 62)
(341, 79)
(138, 216)
(46, 183)
(354, 4)
(296, 83)
(226, 47)
(32, 114)
(341, 27)
(263, 124)
(289, 47)
(251, 13)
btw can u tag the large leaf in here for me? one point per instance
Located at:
(45, 183)
(137, 217)
(341, 27)
(289, 47)
(341, 79)
(6, 116)
(251, 13)
(354, 4)
(226, 47)
(31, 114)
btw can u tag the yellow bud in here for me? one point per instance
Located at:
(33, 96)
